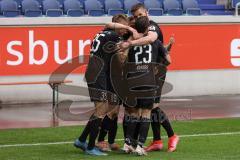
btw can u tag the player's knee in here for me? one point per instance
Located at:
(146, 113)
(100, 109)
(132, 111)
(113, 111)
(162, 116)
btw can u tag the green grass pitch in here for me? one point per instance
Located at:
(192, 146)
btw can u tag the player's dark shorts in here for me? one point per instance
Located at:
(146, 102)
(98, 89)
(102, 90)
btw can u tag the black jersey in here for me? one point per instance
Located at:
(103, 46)
(143, 57)
(147, 53)
(154, 27)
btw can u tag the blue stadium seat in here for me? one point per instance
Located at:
(96, 12)
(33, 13)
(170, 4)
(172, 7)
(152, 4)
(54, 13)
(18, 3)
(189, 4)
(208, 6)
(75, 13)
(51, 8)
(112, 4)
(207, 1)
(112, 12)
(92, 5)
(193, 11)
(175, 12)
(155, 11)
(234, 2)
(31, 8)
(129, 3)
(217, 12)
(9, 8)
(72, 6)
(11, 13)
(212, 6)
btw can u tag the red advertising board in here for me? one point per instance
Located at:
(40, 50)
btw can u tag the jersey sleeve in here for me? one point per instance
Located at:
(162, 52)
(155, 28)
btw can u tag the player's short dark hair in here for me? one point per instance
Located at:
(142, 24)
(137, 7)
(131, 21)
(119, 17)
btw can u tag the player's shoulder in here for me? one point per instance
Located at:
(109, 32)
(153, 26)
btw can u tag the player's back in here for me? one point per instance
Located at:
(104, 43)
(103, 46)
(145, 54)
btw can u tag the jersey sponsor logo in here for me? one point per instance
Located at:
(235, 52)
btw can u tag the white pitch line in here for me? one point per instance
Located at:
(70, 142)
(176, 99)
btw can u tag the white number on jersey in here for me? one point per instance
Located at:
(148, 51)
(96, 42)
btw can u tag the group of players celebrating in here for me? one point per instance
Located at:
(127, 65)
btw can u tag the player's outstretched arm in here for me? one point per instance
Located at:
(112, 25)
(151, 37)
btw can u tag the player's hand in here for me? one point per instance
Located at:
(135, 34)
(124, 45)
(172, 39)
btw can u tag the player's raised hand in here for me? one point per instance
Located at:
(172, 39)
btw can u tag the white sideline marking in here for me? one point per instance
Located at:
(176, 99)
(70, 142)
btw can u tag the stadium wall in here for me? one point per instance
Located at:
(206, 56)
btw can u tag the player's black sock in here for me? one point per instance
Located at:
(131, 122)
(166, 123)
(85, 133)
(113, 131)
(136, 132)
(104, 129)
(143, 130)
(94, 130)
(124, 125)
(155, 123)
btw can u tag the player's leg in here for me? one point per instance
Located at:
(157, 143)
(173, 139)
(131, 123)
(110, 126)
(113, 114)
(95, 123)
(143, 130)
(102, 144)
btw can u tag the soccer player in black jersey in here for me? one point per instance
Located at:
(158, 116)
(98, 80)
(142, 57)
